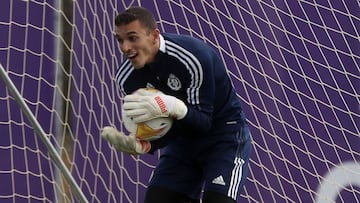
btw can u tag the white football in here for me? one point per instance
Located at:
(151, 129)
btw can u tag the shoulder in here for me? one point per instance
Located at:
(189, 46)
(186, 42)
(122, 76)
(123, 72)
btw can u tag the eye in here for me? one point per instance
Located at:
(133, 38)
(118, 39)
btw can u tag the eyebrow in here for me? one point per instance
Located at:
(129, 33)
(132, 32)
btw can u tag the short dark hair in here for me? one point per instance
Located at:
(145, 17)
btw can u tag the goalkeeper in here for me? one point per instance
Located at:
(208, 147)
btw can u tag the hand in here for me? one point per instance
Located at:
(140, 106)
(128, 144)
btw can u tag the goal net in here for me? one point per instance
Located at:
(294, 64)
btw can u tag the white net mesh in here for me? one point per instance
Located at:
(294, 64)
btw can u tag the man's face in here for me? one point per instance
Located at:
(137, 43)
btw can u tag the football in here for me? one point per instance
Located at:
(151, 129)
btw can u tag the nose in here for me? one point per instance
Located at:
(125, 46)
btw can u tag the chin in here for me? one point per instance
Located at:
(137, 65)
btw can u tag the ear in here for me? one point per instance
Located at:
(156, 35)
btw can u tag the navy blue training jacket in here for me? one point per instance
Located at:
(190, 70)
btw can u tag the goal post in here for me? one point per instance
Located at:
(56, 158)
(295, 66)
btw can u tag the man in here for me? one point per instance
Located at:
(207, 148)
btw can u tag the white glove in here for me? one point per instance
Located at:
(140, 106)
(124, 143)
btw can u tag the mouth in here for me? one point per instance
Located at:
(131, 56)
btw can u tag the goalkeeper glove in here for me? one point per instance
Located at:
(128, 144)
(142, 106)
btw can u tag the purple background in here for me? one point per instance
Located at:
(295, 65)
